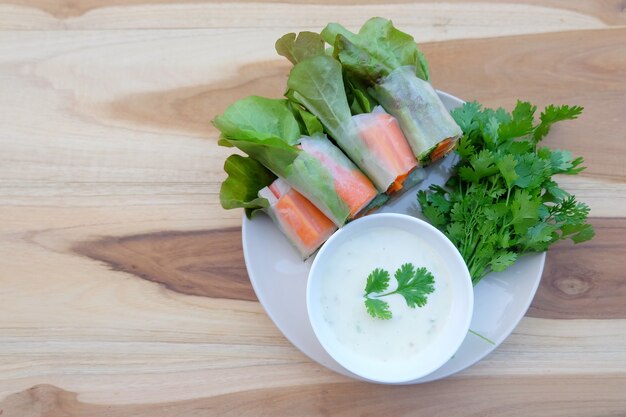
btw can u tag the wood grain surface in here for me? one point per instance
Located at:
(123, 290)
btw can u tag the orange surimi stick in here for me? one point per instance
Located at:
(383, 136)
(303, 223)
(351, 184)
(303, 217)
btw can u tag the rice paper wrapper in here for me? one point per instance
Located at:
(308, 173)
(314, 181)
(420, 112)
(352, 186)
(376, 144)
(303, 224)
(415, 177)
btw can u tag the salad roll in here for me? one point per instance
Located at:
(303, 224)
(251, 186)
(429, 127)
(388, 61)
(372, 140)
(267, 130)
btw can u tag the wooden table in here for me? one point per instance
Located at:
(123, 290)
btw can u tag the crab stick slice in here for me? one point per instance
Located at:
(382, 135)
(304, 225)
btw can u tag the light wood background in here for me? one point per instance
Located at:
(122, 285)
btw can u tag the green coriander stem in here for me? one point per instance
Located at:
(389, 293)
(481, 336)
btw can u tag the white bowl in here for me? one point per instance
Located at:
(439, 350)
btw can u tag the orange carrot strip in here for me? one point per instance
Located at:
(398, 184)
(442, 149)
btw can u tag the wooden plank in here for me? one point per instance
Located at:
(552, 396)
(482, 16)
(583, 281)
(206, 263)
(203, 348)
(427, 21)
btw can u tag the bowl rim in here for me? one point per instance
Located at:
(464, 282)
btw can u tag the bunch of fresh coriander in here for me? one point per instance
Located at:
(503, 201)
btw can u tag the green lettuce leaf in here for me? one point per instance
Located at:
(297, 48)
(258, 118)
(309, 124)
(376, 50)
(245, 178)
(361, 101)
(359, 62)
(263, 128)
(317, 84)
(272, 152)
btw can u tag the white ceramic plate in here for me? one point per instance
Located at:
(279, 279)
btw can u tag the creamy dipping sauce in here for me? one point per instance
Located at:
(341, 299)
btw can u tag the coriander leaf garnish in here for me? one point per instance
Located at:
(377, 308)
(413, 284)
(377, 281)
